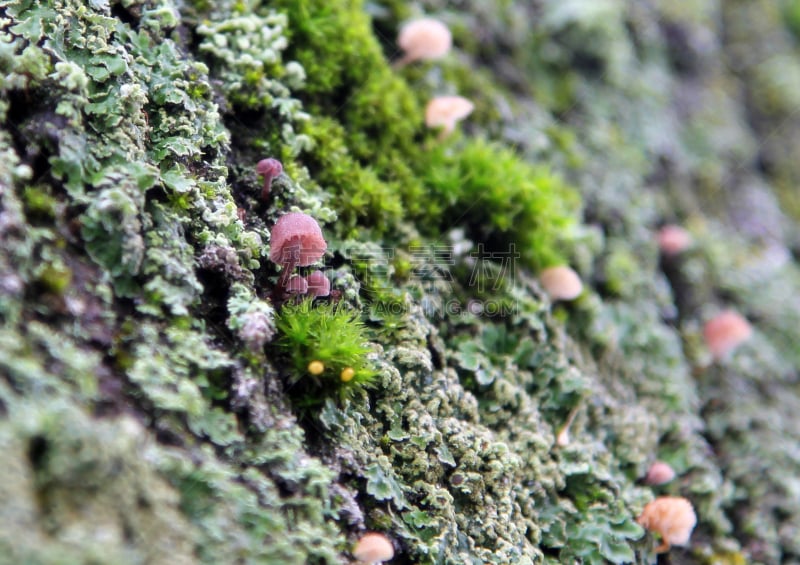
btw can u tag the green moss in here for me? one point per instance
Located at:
(503, 201)
(38, 203)
(131, 281)
(331, 334)
(360, 196)
(364, 150)
(791, 15)
(55, 277)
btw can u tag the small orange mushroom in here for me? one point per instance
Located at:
(725, 332)
(672, 517)
(561, 283)
(446, 111)
(316, 367)
(423, 39)
(373, 548)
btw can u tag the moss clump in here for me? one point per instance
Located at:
(367, 120)
(362, 197)
(331, 334)
(502, 199)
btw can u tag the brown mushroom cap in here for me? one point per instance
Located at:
(297, 240)
(318, 284)
(445, 111)
(373, 548)
(561, 283)
(425, 38)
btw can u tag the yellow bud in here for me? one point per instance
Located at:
(316, 367)
(347, 374)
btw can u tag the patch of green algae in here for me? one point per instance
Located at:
(139, 410)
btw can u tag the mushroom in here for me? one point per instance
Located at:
(373, 548)
(561, 283)
(562, 438)
(297, 285)
(672, 517)
(423, 39)
(318, 284)
(659, 473)
(673, 240)
(269, 169)
(446, 111)
(725, 332)
(296, 241)
(316, 367)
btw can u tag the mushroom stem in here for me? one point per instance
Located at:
(445, 132)
(402, 62)
(269, 168)
(562, 438)
(664, 547)
(268, 178)
(288, 269)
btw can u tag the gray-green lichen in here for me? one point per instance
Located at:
(147, 412)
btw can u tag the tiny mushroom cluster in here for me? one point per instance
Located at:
(428, 39)
(424, 39)
(297, 241)
(672, 517)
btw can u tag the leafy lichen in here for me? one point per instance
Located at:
(149, 408)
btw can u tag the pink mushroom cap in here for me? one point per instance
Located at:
(561, 283)
(297, 285)
(373, 547)
(673, 239)
(318, 284)
(725, 332)
(425, 38)
(659, 473)
(297, 241)
(269, 167)
(446, 111)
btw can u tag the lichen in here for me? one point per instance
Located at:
(155, 403)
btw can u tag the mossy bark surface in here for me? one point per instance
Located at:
(155, 400)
